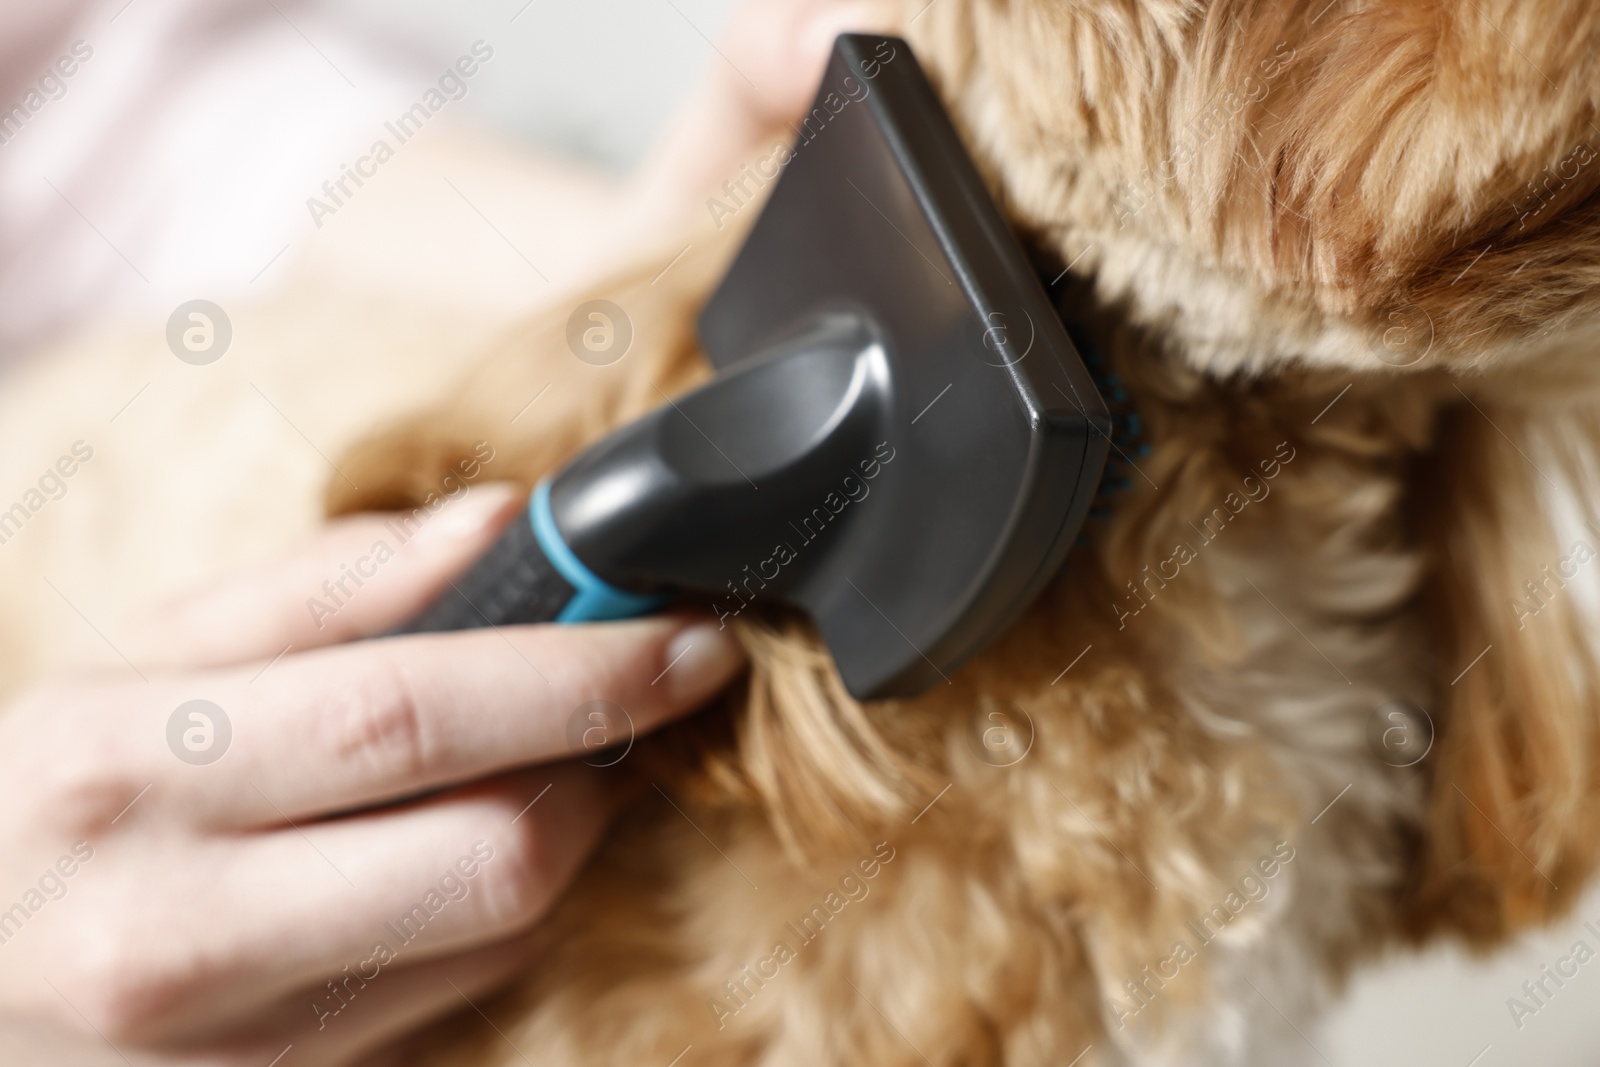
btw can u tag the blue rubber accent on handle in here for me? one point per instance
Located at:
(594, 600)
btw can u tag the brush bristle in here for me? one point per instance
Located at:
(1128, 443)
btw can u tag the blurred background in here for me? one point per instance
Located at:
(177, 160)
(182, 151)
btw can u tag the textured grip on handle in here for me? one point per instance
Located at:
(513, 583)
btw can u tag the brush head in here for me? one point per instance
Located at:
(986, 436)
(900, 440)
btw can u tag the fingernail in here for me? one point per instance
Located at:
(699, 660)
(468, 514)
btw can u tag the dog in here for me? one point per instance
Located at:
(1345, 260)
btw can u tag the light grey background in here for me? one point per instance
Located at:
(594, 80)
(591, 79)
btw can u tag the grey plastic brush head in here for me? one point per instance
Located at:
(902, 439)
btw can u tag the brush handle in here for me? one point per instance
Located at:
(528, 576)
(513, 583)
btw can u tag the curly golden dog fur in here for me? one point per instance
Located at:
(1346, 257)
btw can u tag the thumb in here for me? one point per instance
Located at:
(758, 84)
(778, 49)
(358, 577)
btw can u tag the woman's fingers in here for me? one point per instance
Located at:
(349, 727)
(358, 577)
(322, 1027)
(305, 906)
(432, 878)
(359, 1018)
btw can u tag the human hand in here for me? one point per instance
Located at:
(760, 81)
(180, 911)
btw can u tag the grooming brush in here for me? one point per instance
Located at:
(901, 439)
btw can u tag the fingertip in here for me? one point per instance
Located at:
(698, 661)
(464, 523)
(821, 24)
(658, 668)
(786, 46)
(337, 585)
